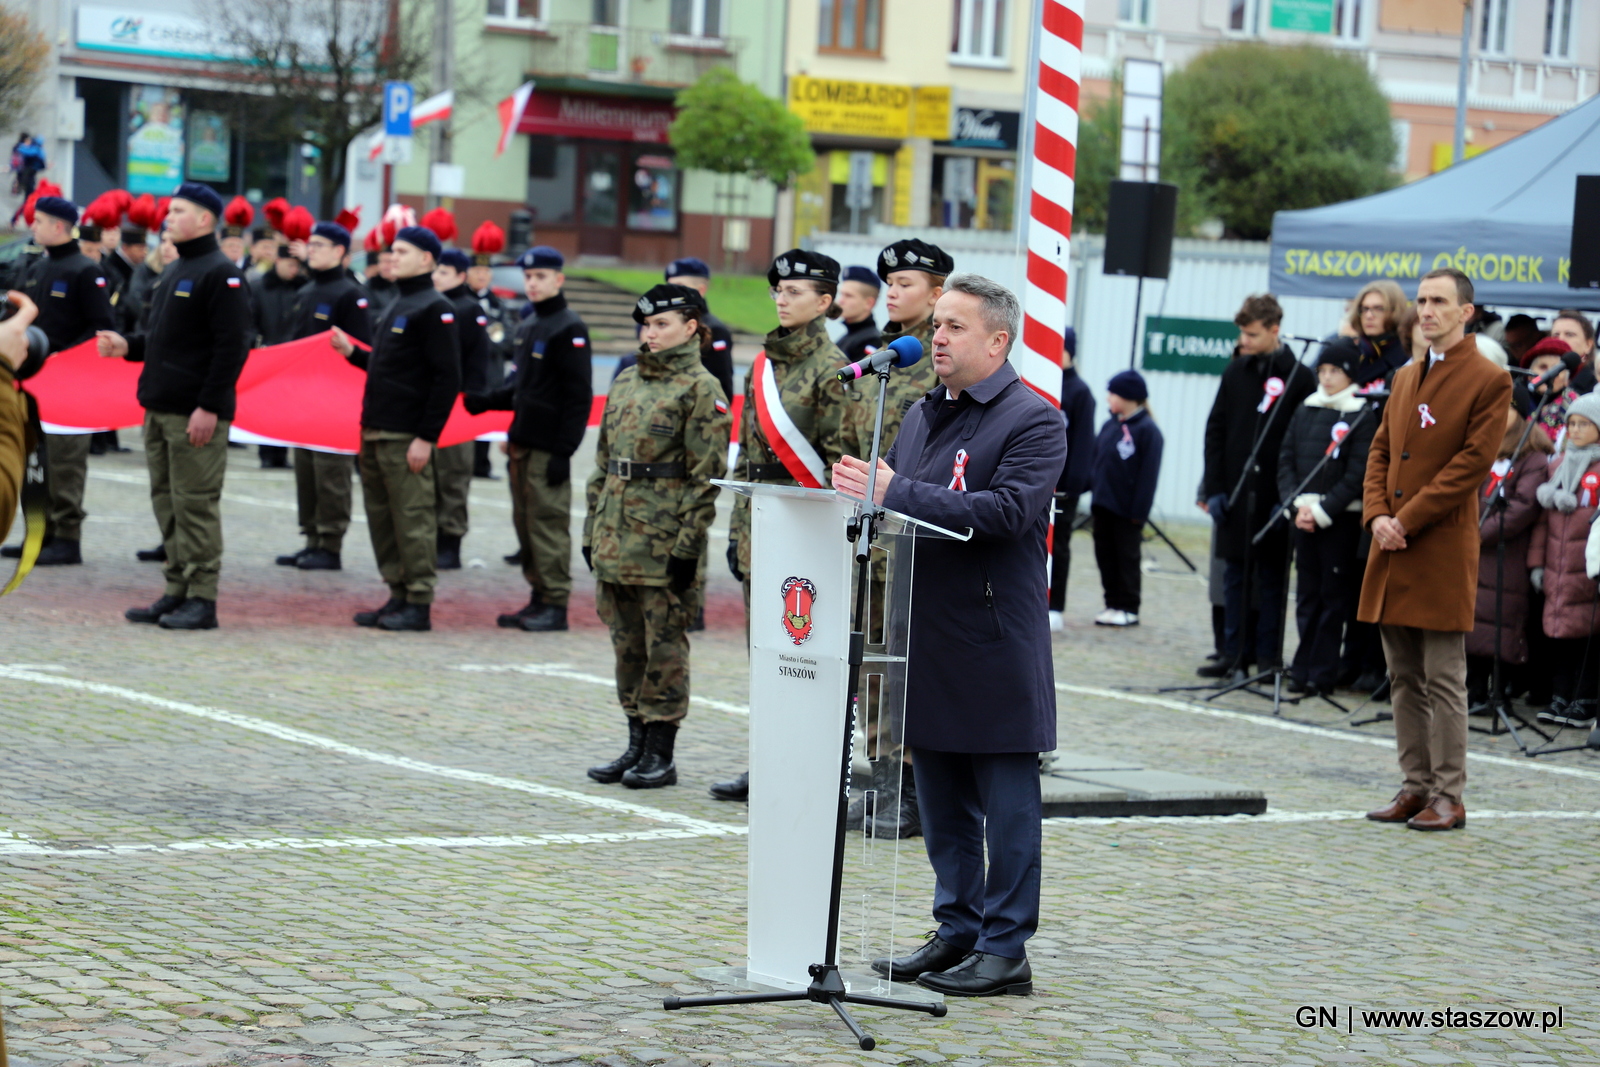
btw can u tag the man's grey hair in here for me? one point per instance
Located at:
(1001, 311)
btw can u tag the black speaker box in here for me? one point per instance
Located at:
(1585, 270)
(1139, 225)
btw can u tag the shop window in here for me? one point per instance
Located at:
(695, 18)
(605, 36)
(552, 180)
(850, 26)
(513, 11)
(857, 198)
(1494, 26)
(1558, 16)
(601, 186)
(653, 194)
(980, 30)
(974, 193)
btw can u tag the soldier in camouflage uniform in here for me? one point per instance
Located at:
(663, 437)
(799, 364)
(914, 273)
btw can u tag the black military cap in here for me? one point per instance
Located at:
(670, 298)
(800, 265)
(913, 254)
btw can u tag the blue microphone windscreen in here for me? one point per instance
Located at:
(907, 350)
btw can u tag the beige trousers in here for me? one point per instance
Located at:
(1428, 674)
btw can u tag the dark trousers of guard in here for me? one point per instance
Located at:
(972, 802)
(1266, 582)
(1117, 543)
(1061, 549)
(1329, 584)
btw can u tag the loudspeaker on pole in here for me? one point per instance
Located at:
(1585, 270)
(1139, 226)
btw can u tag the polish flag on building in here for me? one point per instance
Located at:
(511, 109)
(436, 108)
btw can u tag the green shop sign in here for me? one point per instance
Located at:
(1303, 16)
(1189, 346)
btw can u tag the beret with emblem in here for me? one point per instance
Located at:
(669, 298)
(798, 265)
(912, 254)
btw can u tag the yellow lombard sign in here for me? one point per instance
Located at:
(870, 109)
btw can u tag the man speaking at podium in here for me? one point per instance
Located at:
(980, 452)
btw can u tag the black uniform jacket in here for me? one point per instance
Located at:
(980, 675)
(332, 299)
(414, 369)
(1077, 409)
(198, 334)
(554, 387)
(472, 324)
(860, 339)
(74, 298)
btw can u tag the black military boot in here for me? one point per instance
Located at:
(58, 553)
(548, 617)
(196, 613)
(292, 559)
(611, 773)
(157, 554)
(897, 815)
(855, 815)
(13, 551)
(449, 553)
(370, 618)
(319, 559)
(513, 620)
(655, 768)
(515, 559)
(154, 612)
(738, 789)
(408, 617)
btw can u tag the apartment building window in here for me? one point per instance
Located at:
(1494, 26)
(605, 37)
(1243, 16)
(979, 32)
(1558, 16)
(1134, 12)
(1347, 20)
(513, 10)
(850, 26)
(696, 18)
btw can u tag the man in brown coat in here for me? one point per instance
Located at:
(1435, 446)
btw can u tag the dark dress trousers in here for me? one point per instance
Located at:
(980, 696)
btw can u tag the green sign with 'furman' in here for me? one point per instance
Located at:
(1189, 346)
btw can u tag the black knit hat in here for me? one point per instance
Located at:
(912, 254)
(800, 265)
(1341, 352)
(665, 297)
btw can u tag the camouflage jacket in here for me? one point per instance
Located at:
(667, 408)
(906, 388)
(804, 362)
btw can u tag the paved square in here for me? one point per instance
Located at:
(292, 841)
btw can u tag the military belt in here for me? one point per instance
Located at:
(627, 469)
(768, 472)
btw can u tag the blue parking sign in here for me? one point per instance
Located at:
(397, 100)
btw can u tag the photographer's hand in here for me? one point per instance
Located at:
(14, 330)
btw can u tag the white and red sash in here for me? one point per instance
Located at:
(796, 453)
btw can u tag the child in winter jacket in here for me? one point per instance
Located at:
(1570, 499)
(1127, 462)
(1326, 511)
(1543, 356)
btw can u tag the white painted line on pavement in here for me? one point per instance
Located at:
(1181, 821)
(1314, 731)
(22, 845)
(564, 670)
(303, 737)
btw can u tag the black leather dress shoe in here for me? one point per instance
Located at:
(319, 559)
(738, 789)
(292, 559)
(408, 617)
(982, 975)
(59, 552)
(936, 954)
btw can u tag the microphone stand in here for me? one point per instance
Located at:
(827, 981)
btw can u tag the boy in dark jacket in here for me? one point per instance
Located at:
(1127, 462)
(1077, 411)
(1326, 511)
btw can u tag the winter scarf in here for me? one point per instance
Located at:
(1560, 491)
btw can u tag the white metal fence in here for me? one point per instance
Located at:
(1209, 280)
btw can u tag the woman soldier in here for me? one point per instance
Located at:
(663, 438)
(791, 430)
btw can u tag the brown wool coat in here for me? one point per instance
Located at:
(1427, 479)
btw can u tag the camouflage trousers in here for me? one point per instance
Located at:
(649, 635)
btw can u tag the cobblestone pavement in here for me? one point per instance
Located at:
(291, 841)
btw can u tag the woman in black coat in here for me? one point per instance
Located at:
(1326, 511)
(1374, 323)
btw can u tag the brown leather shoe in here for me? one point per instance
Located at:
(1401, 808)
(1440, 814)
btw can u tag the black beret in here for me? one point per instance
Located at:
(202, 196)
(687, 267)
(912, 254)
(800, 265)
(333, 232)
(665, 297)
(863, 275)
(541, 257)
(421, 237)
(57, 207)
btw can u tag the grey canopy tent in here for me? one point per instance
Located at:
(1504, 218)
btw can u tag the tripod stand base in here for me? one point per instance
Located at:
(827, 987)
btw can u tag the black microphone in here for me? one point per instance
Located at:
(1570, 361)
(1310, 340)
(901, 352)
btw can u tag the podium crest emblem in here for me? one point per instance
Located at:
(798, 596)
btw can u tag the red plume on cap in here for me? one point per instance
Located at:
(161, 209)
(441, 222)
(122, 198)
(142, 212)
(374, 240)
(27, 206)
(298, 224)
(391, 229)
(238, 213)
(349, 218)
(275, 210)
(46, 187)
(104, 212)
(488, 239)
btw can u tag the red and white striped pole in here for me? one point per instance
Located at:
(1049, 232)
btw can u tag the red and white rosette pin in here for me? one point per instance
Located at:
(1591, 490)
(1341, 430)
(958, 471)
(1427, 416)
(1497, 476)
(1271, 390)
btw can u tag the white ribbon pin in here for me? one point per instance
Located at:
(1427, 416)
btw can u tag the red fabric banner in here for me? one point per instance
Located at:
(78, 389)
